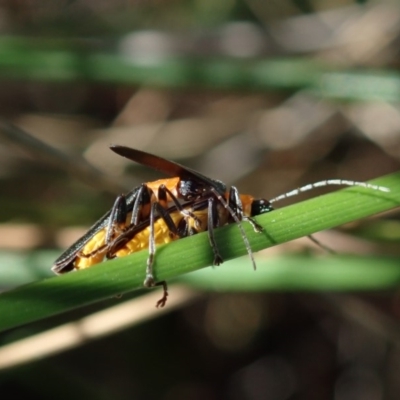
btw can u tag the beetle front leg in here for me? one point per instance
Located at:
(235, 203)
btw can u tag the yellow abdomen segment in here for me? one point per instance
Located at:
(140, 241)
(95, 250)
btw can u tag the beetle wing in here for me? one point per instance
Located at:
(166, 166)
(64, 262)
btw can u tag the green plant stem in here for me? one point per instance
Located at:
(66, 61)
(55, 295)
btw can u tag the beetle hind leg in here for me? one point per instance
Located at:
(149, 280)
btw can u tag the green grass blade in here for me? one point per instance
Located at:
(66, 61)
(59, 294)
(301, 272)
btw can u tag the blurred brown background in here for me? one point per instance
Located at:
(264, 95)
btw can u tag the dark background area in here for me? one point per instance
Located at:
(264, 95)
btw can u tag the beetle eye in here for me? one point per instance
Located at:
(260, 206)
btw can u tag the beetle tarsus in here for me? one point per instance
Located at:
(218, 260)
(150, 282)
(161, 303)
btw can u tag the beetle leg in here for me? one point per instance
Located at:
(256, 227)
(163, 300)
(235, 203)
(167, 219)
(318, 243)
(149, 279)
(212, 222)
(117, 218)
(186, 213)
(221, 199)
(142, 199)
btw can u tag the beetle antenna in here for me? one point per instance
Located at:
(328, 182)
